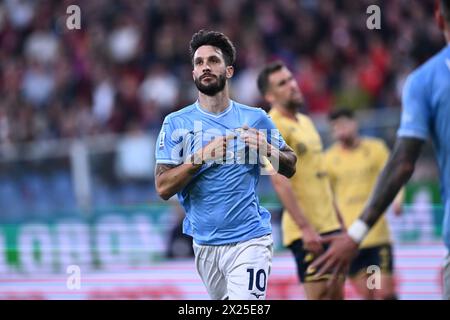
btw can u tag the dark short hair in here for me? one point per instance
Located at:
(341, 113)
(216, 39)
(445, 9)
(264, 74)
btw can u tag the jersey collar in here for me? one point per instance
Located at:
(215, 115)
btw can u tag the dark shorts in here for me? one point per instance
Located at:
(304, 258)
(380, 256)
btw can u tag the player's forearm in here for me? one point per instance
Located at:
(396, 173)
(286, 160)
(389, 183)
(171, 181)
(284, 190)
(339, 214)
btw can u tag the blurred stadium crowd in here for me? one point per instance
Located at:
(129, 66)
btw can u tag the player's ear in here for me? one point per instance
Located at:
(229, 71)
(269, 97)
(193, 75)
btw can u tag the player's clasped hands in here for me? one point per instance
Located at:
(218, 149)
(256, 140)
(214, 151)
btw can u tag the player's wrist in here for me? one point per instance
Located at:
(358, 230)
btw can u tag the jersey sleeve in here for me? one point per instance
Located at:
(274, 136)
(415, 117)
(169, 146)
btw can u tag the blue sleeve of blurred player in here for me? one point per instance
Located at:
(273, 134)
(169, 147)
(415, 119)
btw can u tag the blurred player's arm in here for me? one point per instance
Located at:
(395, 174)
(413, 132)
(383, 157)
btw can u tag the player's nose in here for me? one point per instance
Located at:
(206, 68)
(293, 83)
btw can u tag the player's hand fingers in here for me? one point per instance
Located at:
(230, 137)
(218, 142)
(251, 142)
(320, 260)
(328, 265)
(314, 247)
(253, 131)
(257, 141)
(247, 134)
(328, 239)
(258, 133)
(315, 250)
(318, 248)
(214, 149)
(335, 275)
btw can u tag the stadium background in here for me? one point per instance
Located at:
(80, 110)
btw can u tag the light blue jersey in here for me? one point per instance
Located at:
(426, 113)
(220, 201)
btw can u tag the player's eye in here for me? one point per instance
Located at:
(214, 60)
(198, 62)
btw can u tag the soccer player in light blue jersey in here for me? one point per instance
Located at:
(209, 154)
(426, 113)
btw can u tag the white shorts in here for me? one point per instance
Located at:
(237, 271)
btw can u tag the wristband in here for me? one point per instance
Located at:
(358, 230)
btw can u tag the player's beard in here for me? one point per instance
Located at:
(211, 89)
(349, 141)
(295, 105)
